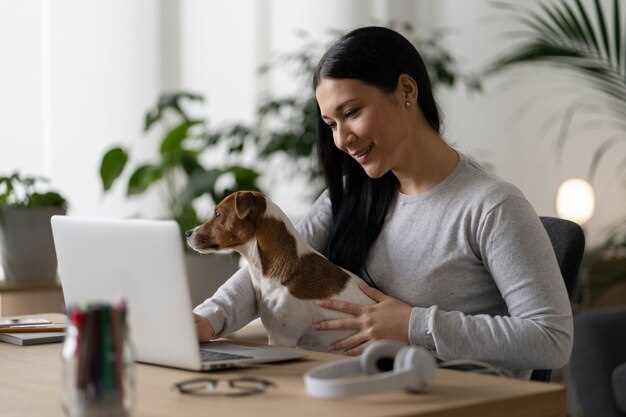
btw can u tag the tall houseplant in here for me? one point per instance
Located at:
(25, 232)
(183, 177)
(588, 45)
(179, 168)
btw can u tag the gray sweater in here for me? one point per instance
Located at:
(472, 258)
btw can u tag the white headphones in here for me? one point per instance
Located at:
(391, 364)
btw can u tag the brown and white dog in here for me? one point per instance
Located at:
(288, 275)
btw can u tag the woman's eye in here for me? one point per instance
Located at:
(351, 113)
(217, 214)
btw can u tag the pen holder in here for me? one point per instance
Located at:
(98, 378)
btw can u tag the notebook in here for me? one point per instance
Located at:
(26, 339)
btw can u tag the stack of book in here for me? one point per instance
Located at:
(30, 331)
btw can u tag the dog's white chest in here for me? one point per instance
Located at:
(289, 320)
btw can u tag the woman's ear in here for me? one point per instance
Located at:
(407, 90)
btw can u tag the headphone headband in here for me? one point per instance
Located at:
(336, 379)
(322, 382)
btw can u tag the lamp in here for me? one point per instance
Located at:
(575, 200)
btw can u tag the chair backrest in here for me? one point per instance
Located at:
(568, 241)
(599, 353)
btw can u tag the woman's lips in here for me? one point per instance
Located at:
(361, 157)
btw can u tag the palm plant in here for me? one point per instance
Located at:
(580, 42)
(586, 43)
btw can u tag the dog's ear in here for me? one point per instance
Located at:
(247, 203)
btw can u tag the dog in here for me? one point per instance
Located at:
(288, 275)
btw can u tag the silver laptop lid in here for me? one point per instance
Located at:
(141, 261)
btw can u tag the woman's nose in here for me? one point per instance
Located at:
(344, 137)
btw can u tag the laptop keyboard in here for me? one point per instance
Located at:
(211, 356)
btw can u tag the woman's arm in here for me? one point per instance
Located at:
(231, 307)
(538, 331)
(315, 226)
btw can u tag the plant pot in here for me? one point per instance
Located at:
(206, 273)
(26, 241)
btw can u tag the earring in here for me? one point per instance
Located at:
(407, 104)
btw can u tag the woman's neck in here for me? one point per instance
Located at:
(424, 161)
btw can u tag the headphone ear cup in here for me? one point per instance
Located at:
(379, 356)
(418, 364)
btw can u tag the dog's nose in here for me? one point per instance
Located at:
(188, 233)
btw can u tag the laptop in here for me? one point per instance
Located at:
(142, 262)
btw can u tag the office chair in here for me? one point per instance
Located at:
(568, 241)
(598, 364)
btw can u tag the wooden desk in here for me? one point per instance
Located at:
(30, 385)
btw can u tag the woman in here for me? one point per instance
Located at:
(460, 260)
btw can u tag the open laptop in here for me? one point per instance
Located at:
(142, 261)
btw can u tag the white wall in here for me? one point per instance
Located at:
(21, 78)
(77, 76)
(104, 73)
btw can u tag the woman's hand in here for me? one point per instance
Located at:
(203, 328)
(387, 319)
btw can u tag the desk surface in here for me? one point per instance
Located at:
(31, 376)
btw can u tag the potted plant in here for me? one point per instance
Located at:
(585, 44)
(183, 177)
(25, 232)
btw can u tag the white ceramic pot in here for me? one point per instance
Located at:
(206, 273)
(26, 243)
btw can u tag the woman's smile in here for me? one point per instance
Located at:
(362, 155)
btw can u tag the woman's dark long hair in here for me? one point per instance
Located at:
(376, 56)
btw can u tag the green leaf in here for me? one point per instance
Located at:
(532, 52)
(578, 26)
(187, 218)
(617, 35)
(201, 182)
(151, 117)
(599, 154)
(172, 143)
(591, 34)
(8, 189)
(142, 178)
(189, 161)
(112, 165)
(173, 101)
(557, 18)
(245, 178)
(49, 199)
(170, 101)
(603, 29)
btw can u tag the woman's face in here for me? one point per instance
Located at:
(367, 124)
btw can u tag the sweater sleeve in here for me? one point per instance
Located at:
(234, 304)
(538, 332)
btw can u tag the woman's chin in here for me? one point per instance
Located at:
(373, 171)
